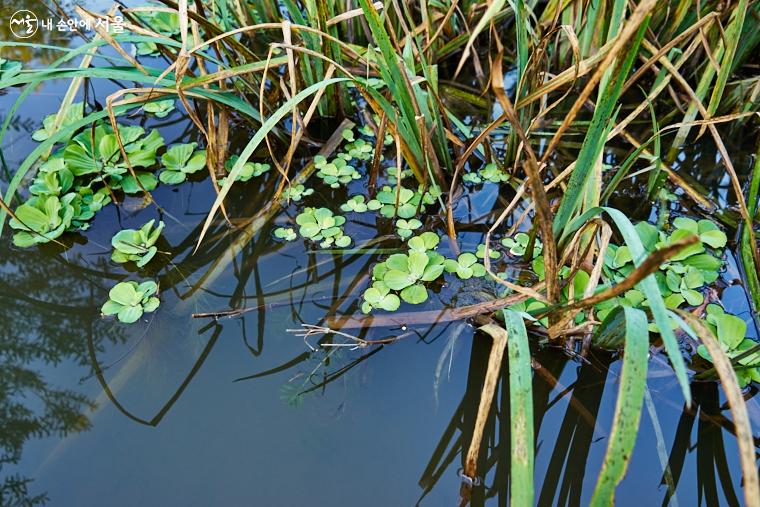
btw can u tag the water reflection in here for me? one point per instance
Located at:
(48, 313)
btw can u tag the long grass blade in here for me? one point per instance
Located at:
(520, 410)
(630, 398)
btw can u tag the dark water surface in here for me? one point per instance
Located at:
(378, 426)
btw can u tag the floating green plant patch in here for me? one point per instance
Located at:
(53, 178)
(518, 245)
(103, 158)
(356, 204)
(72, 114)
(358, 150)
(405, 274)
(165, 23)
(405, 228)
(296, 192)
(86, 203)
(138, 245)
(731, 333)
(465, 266)
(480, 253)
(179, 161)
(408, 202)
(336, 172)
(319, 224)
(489, 172)
(681, 278)
(248, 171)
(130, 300)
(286, 233)
(42, 219)
(159, 108)
(379, 296)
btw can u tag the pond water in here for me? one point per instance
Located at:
(185, 410)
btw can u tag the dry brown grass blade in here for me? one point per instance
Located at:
(426, 317)
(115, 126)
(737, 405)
(495, 356)
(351, 14)
(632, 25)
(544, 215)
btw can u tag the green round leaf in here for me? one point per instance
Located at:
(414, 294)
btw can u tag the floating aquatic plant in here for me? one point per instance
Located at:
(406, 274)
(137, 245)
(248, 171)
(518, 244)
(296, 192)
(42, 219)
(286, 233)
(731, 333)
(405, 228)
(490, 172)
(130, 300)
(465, 266)
(480, 253)
(319, 224)
(103, 157)
(336, 172)
(159, 108)
(356, 204)
(71, 114)
(181, 160)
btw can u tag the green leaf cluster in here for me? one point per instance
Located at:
(518, 245)
(72, 114)
(336, 172)
(296, 192)
(357, 204)
(465, 266)
(159, 108)
(489, 172)
(408, 202)
(179, 161)
(137, 245)
(286, 233)
(320, 224)
(405, 228)
(130, 300)
(96, 154)
(731, 333)
(401, 276)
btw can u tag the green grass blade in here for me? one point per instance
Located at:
(520, 410)
(748, 262)
(595, 136)
(733, 30)
(625, 425)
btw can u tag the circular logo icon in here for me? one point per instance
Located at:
(24, 24)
